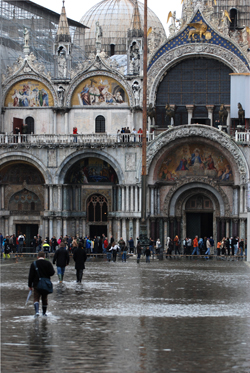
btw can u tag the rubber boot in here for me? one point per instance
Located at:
(80, 276)
(36, 306)
(60, 278)
(44, 310)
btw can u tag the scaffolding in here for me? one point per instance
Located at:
(42, 24)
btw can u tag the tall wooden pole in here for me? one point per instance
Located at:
(143, 227)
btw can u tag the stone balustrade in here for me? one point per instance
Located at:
(242, 137)
(79, 138)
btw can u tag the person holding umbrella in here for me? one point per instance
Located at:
(80, 257)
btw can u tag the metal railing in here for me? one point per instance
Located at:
(93, 138)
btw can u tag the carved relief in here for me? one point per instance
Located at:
(130, 162)
(189, 180)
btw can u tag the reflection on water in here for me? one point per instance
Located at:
(158, 317)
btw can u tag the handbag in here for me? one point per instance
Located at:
(44, 284)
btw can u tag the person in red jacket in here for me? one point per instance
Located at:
(195, 246)
(75, 133)
(105, 245)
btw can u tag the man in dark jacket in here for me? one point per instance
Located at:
(80, 258)
(46, 270)
(61, 258)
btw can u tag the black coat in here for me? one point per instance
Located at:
(61, 257)
(80, 258)
(45, 269)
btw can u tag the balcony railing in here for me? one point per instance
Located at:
(73, 139)
(243, 137)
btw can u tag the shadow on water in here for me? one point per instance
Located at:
(158, 317)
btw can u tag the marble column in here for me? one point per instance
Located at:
(59, 227)
(110, 232)
(210, 109)
(218, 224)
(179, 227)
(78, 227)
(131, 230)
(152, 229)
(83, 227)
(55, 124)
(241, 199)
(223, 230)
(66, 123)
(46, 227)
(136, 199)
(227, 228)
(132, 205)
(127, 198)
(6, 223)
(242, 233)
(124, 230)
(228, 119)
(190, 109)
(59, 198)
(46, 195)
(139, 205)
(235, 227)
(137, 228)
(51, 207)
(172, 228)
(2, 197)
(158, 202)
(152, 201)
(64, 227)
(51, 233)
(235, 201)
(165, 232)
(118, 229)
(123, 199)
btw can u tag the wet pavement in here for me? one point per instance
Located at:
(168, 316)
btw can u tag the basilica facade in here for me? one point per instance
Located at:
(65, 165)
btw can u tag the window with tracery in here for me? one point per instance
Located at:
(97, 208)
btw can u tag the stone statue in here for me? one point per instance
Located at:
(136, 89)
(223, 114)
(134, 59)
(62, 65)
(26, 35)
(60, 93)
(151, 113)
(173, 27)
(26, 46)
(170, 114)
(98, 37)
(241, 115)
(103, 54)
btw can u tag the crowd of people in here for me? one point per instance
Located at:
(125, 135)
(206, 246)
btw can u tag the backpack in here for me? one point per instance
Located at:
(20, 240)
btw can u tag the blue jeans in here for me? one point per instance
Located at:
(235, 249)
(109, 256)
(124, 256)
(60, 270)
(208, 251)
(148, 259)
(195, 251)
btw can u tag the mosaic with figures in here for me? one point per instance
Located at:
(193, 160)
(99, 90)
(91, 170)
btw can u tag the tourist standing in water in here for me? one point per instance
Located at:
(46, 270)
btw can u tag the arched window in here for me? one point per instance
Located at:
(99, 124)
(97, 208)
(233, 17)
(29, 121)
(112, 49)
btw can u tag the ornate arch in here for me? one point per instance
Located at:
(36, 189)
(204, 132)
(73, 158)
(33, 76)
(28, 158)
(186, 186)
(90, 74)
(176, 55)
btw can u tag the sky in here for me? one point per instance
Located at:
(75, 9)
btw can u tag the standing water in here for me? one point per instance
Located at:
(169, 316)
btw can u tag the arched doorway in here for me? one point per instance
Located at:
(97, 215)
(199, 216)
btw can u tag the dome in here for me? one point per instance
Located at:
(115, 18)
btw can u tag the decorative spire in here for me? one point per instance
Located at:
(63, 33)
(136, 20)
